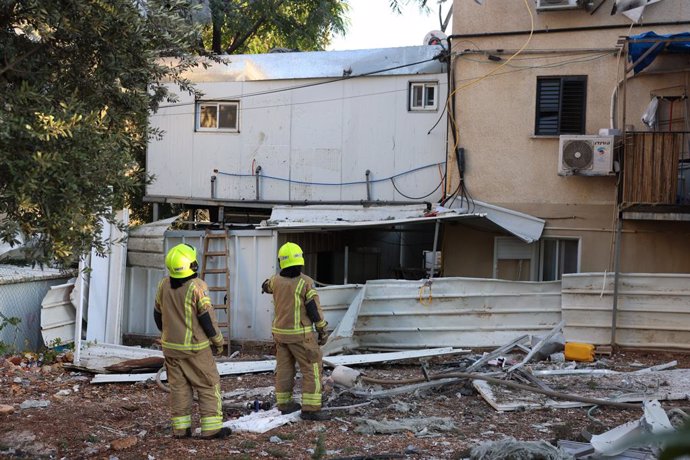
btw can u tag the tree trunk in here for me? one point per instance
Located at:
(216, 43)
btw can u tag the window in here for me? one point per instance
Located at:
(423, 96)
(546, 260)
(561, 103)
(558, 257)
(217, 116)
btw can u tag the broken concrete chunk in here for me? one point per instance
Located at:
(34, 403)
(419, 426)
(124, 443)
(345, 376)
(6, 410)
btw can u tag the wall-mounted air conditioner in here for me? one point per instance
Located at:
(586, 155)
(555, 5)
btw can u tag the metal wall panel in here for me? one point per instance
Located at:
(22, 299)
(461, 312)
(653, 309)
(252, 259)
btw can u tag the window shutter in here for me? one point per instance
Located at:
(573, 99)
(561, 104)
(548, 104)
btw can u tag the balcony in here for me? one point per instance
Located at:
(655, 176)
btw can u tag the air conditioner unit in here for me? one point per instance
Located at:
(555, 5)
(586, 155)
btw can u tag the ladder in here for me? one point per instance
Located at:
(218, 278)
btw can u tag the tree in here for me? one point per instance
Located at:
(240, 26)
(78, 79)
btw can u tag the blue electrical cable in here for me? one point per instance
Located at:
(292, 181)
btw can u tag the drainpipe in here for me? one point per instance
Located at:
(367, 174)
(213, 185)
(616, 280)
(257, 173)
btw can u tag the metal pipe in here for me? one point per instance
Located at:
(501, 51)
(213, 187)
(569, 29)
(367, 174)
(616, 280)
(257, 173)
(245, 203)
(80, 311)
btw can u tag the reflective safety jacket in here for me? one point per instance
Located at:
(293, 322)
(182, 333)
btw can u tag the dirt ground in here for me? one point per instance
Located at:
(130, 421)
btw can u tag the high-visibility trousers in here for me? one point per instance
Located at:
(307, 355)
(198, 372)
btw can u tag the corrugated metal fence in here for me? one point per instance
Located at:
(653, 309)
(21, 291)
(459, 312)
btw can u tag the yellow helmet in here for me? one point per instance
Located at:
(181, 261)
(290, 255)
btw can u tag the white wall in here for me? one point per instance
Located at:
(327, 133)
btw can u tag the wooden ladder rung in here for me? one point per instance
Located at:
(217, 288)
(216, 235)
(221, 307)
(216, 254)
(215, 270)
(223, 324)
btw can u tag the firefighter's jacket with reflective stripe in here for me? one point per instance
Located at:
(290, 298)
(182, 334)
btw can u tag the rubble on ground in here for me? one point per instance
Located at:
(393, 408)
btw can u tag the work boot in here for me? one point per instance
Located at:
(220, 434)
(316, 415)
(289, 408)
(187, 434)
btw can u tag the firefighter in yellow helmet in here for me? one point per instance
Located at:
(184, 314)
(298, 329)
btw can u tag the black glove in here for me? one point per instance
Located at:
(322, 336)
(264, 287)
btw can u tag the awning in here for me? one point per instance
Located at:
(342, 217)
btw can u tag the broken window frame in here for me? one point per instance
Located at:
(219, 107)
(423, 96)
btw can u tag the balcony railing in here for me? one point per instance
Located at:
(656, 170)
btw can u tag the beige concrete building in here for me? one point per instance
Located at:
(523, 76)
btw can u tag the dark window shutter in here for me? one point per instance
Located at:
(560, 105)
(573, 98)
(548, 104)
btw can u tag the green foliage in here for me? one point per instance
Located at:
(77, 81)
(9, 321)
(240, 27)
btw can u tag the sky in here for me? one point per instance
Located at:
(374, 25)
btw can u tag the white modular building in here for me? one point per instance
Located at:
(305, 127)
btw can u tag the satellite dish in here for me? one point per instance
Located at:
(578, 154)
(435, 37)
